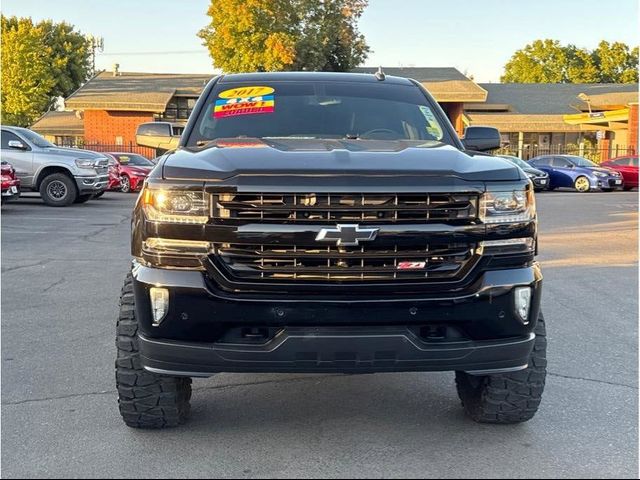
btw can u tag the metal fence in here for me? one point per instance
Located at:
(595, 154)
(105, 147)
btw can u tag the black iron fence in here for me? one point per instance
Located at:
(129, 147)
(595, 154)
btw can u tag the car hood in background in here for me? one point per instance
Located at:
(535, 171)
(227, 158)
(607, 170)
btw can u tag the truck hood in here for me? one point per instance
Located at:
(226, 158)
(73, 152)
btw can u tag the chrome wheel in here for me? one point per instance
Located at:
(125, 184)
(582, 184)
(57, 190)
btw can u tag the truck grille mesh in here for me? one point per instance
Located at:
(322, 208)
(368, 263)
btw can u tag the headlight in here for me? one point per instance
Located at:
(601, 175)
(504, 207)
(85, 163)
(531, 175)
(175, 206)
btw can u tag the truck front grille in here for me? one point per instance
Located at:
(370, 263)
(322, 208)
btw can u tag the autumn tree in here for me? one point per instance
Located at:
(26, 79)
(272, 35)
(40, 62)
(548, 61)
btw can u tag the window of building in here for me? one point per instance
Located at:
(180, 108)
(119, 141)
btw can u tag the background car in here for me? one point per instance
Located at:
(132, 169)
(628, 168)
(539, 178)
(10, 183)
(62, 175)
(577, 172)
(114, 174)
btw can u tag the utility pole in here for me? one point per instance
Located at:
(95, 43)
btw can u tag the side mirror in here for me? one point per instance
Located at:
(158, 135)
(17, 144)
(481, 139)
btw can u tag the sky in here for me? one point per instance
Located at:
(477, 37)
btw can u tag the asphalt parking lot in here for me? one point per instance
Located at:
(61, 274)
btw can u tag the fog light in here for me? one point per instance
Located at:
(159, 304)
(523, 303)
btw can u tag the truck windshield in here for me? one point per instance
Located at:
(334, 110)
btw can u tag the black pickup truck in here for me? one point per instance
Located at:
(326, 222)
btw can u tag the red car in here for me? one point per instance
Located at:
(10, 183)
(628, 167)
(127, 171)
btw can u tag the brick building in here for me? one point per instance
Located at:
(113, 104)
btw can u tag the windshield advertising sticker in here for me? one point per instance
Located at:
(244, 106)
(246, 92)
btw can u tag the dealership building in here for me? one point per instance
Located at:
(532, 118)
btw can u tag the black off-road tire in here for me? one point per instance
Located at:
(146, 400)
(61, 181)
(84, 198)
(510, 397)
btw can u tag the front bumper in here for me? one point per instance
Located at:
(136, 182)
(10, 191)
(475, 331)
(92, 183)
(540, 183)
(616, 183)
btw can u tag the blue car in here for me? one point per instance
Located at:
(576, 172)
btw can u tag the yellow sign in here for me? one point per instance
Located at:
(621, 115)
(244, 92)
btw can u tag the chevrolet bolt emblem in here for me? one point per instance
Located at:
(347, 235)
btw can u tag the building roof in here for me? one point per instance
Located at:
(516, 122)
(446, 84)
(613, 100)
(59, 123)
(148, 92)
(308, 77)
(548, 99)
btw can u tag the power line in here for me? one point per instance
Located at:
(173, 52)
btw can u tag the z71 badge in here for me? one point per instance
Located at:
(411, 265)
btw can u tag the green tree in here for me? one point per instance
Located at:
(548, 61)
(618, 64)
(26, 78)
(39, 63)
(271, 35)
(69, 53)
